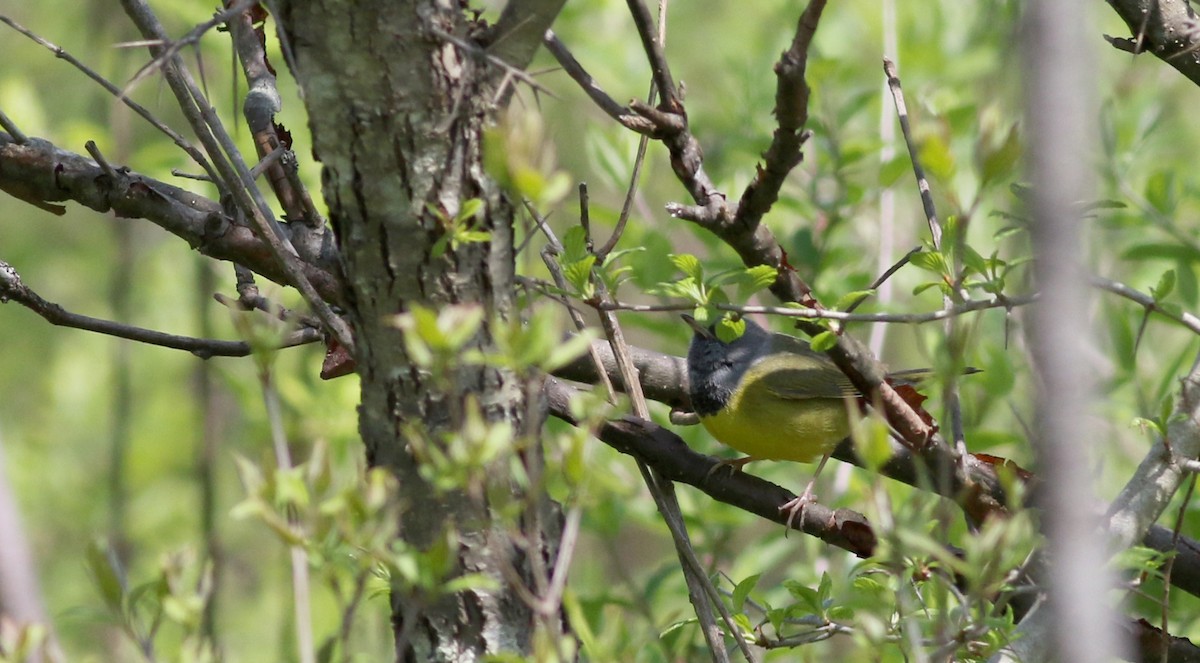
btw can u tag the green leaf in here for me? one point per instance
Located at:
(937, 158)
(742, 590)
(729, 329)
(477, 581)
(823, 341)
(925, 286)
(1161, 251)
(1103, 204)
(579, 275)
(469, 236)
(806, 596)
(676, 626)
(469, 209)
(759, 277)
(997, 161)
(825, 588)
(290, 488)
(851, 298)
(974, 261)
(931, 261)
(574, 244)
(688, 264)
(1148, 425)
(1166, 283)
(1160, 191)
(105, 573)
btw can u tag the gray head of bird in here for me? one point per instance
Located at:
(716, 367)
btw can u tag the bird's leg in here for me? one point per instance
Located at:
(794, 508)
(734, 465)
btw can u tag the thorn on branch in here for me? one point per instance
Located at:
(1124, 44)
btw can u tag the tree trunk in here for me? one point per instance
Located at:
(397, 114)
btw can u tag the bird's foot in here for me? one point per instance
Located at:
(794, 508)
(734, 465)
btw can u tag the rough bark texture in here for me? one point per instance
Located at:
(397, 115)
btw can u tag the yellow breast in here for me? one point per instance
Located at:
(759, 423)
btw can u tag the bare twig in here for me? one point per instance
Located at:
(179, 140)
(893, 80)
(480, 54)
(883, 278)
(841, 316)
(11, 127)
(233, 168)
(653, 46)
(616, 111)
(94, 150)
(1146, 301)
(791, 113)
(305, 643)
(42, 172)
(12, 288)
(168, 49)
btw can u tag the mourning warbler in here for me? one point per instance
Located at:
(768, 395)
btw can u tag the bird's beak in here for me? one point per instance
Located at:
(697, 327)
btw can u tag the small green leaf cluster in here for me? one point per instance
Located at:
(176, 596)
(705, 292)
(459, 229)
(915, 594)
(580, 265)
(961, 268)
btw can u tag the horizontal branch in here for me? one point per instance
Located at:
(39, 171)
(12, 288)
(976, 487)
(670, 456)
(843, 316)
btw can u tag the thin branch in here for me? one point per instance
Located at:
(893, 81)
(10, 126)
(276, 158)
(94, 150)
(12, 288)
(218, 143)
(480, 54)
(1146, 301)
(175, 137)
(168, 50)
(703, 595)
(616, 111)
(791, 113)
(825, 314)
(653, 46)
(887, 274)
(305, 642)
(520, 29)
(40, 172)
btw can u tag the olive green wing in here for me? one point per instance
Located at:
(793, 371)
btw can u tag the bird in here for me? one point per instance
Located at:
(772, 397)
